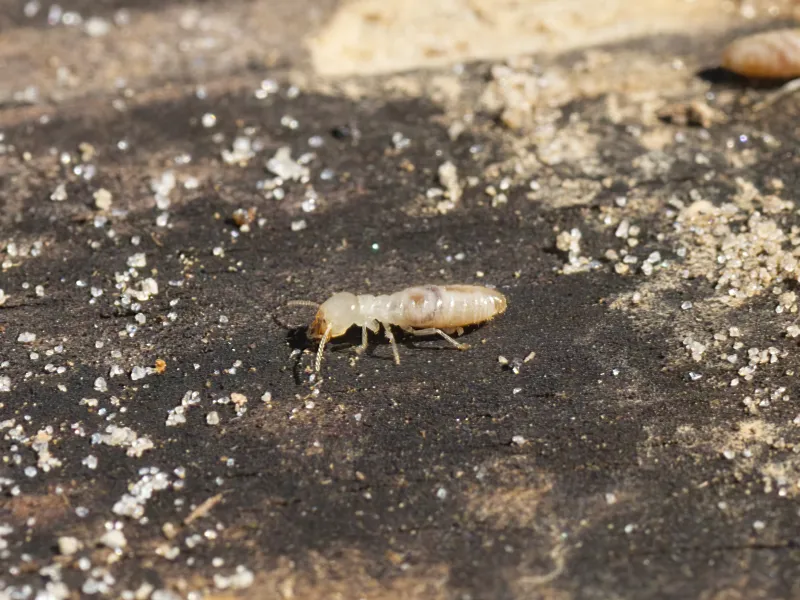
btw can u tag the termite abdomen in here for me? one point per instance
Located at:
(769, 55)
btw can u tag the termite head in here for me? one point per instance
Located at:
(336, 315)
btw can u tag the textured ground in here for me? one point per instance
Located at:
(171, 175)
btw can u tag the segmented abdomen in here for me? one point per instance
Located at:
(774, 54)
(446, 306)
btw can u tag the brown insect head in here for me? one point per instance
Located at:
(319, 326)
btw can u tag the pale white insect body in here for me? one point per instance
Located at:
(422, 310)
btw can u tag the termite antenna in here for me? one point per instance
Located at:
(303, 303)
(322, 343)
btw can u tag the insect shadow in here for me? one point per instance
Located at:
(298, 340)
(724, 77)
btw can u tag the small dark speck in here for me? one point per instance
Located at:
(343, 132)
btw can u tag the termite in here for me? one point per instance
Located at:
(424, 310)
(772, 55)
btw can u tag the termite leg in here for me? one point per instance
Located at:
(363, 345)
(390, 337)
(786, 89)
(432, 330)
(322, 343)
